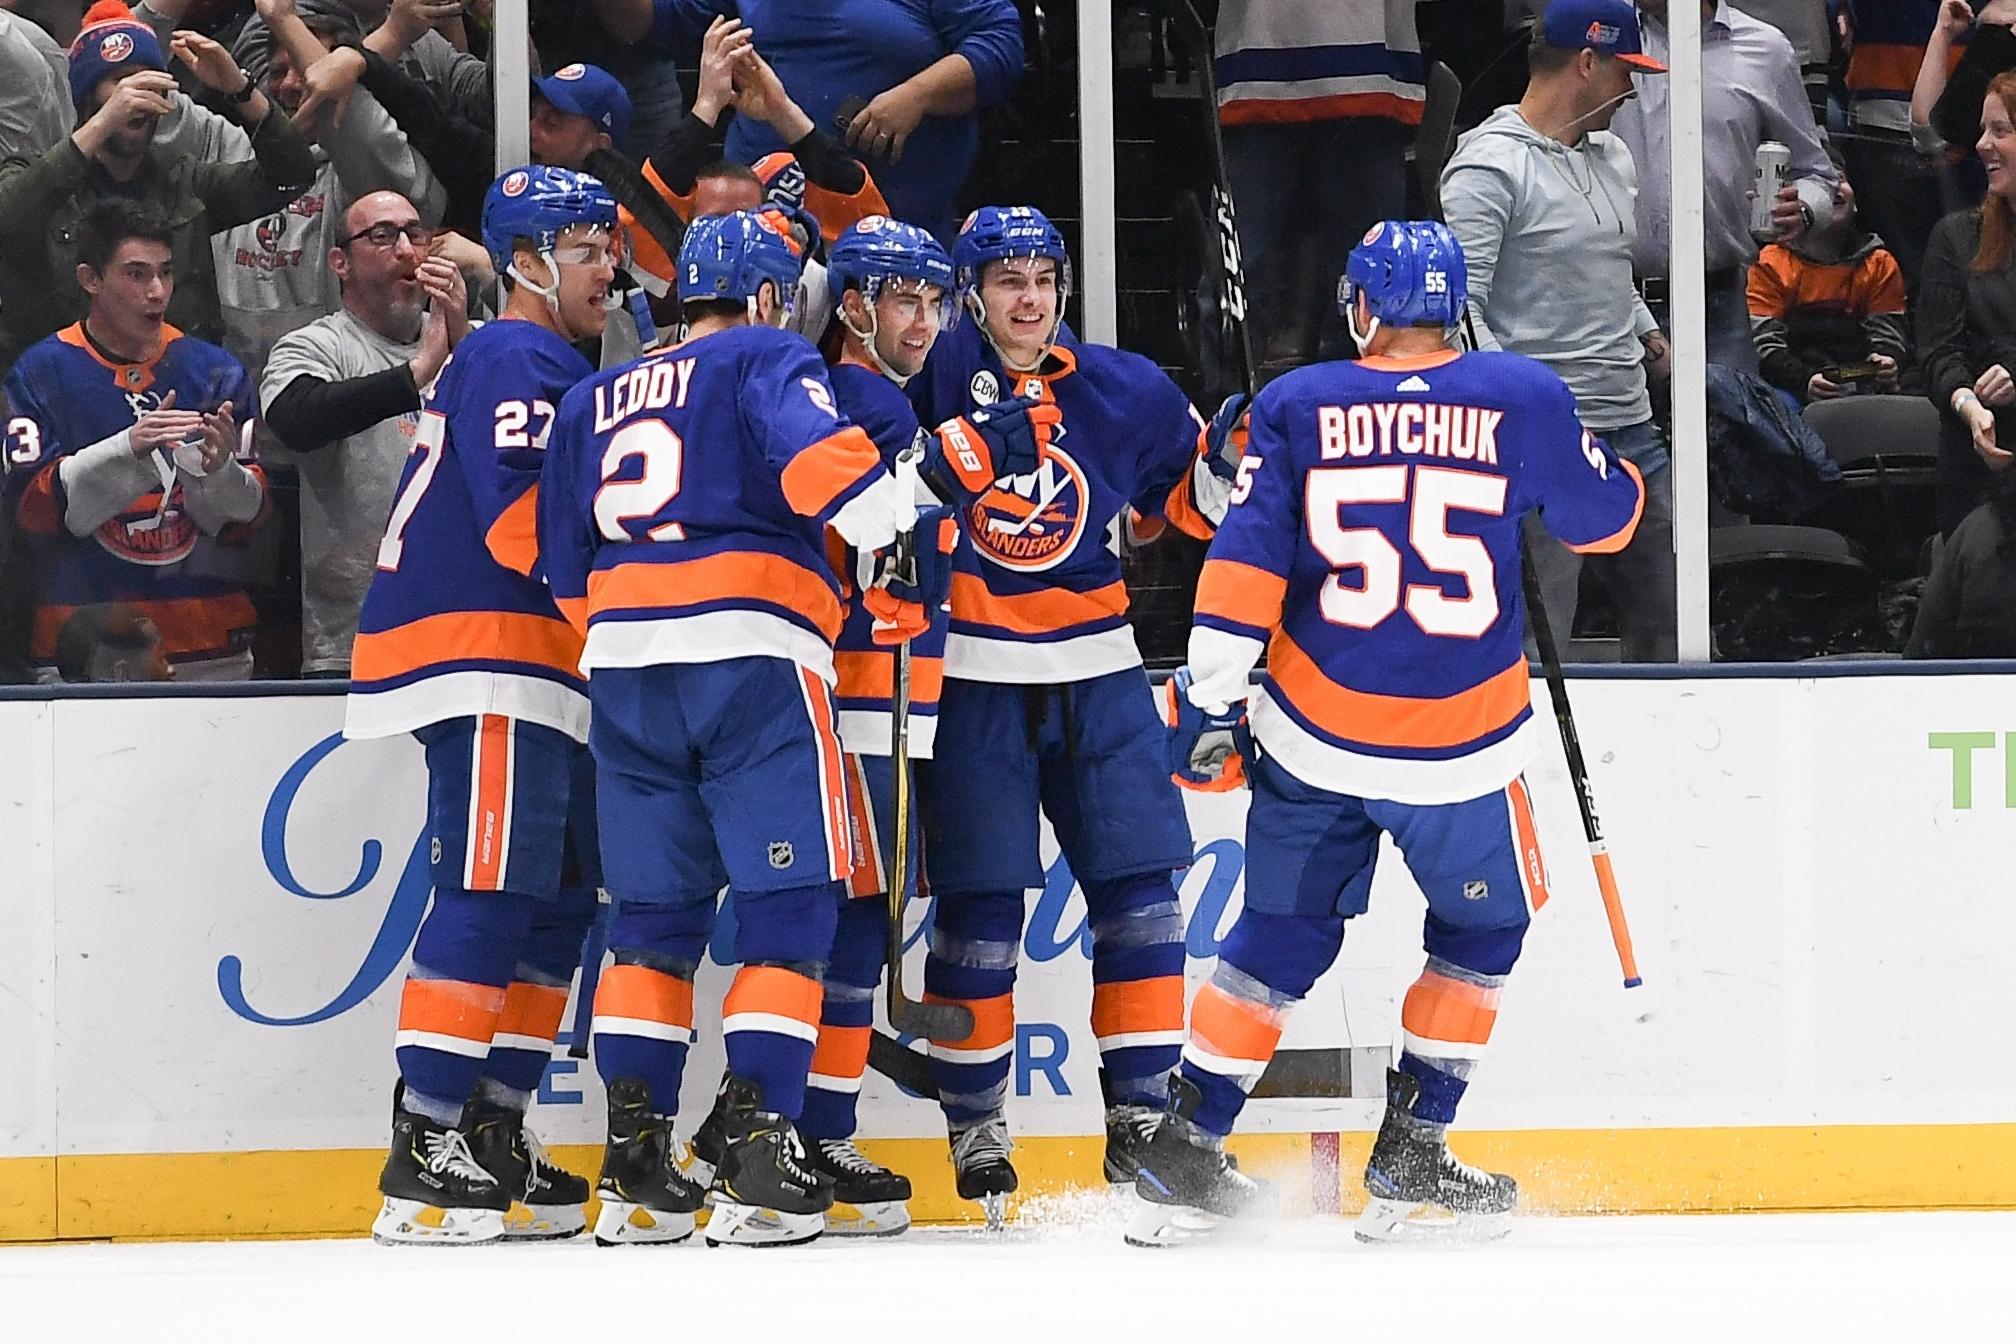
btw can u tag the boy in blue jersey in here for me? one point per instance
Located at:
(683, 514)
(1046, 704)
(894, 283)
(460, 644)
(1372, 549)
(126, 460)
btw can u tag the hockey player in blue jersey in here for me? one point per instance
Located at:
(460, 644)
(683, 515)
(1046, 705)
(1372, 550)
(893, 283)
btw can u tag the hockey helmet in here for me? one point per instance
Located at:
(540, 203)
(877, 249)
(730, 256)
(999, 232)
(1411, 273)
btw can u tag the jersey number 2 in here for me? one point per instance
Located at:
(662, 455)
(1378, 595)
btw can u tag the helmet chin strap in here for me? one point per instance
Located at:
(1361, 337)
(978, 307)
(549, 292)
(867, 339)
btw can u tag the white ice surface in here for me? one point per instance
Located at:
(1722, 1280)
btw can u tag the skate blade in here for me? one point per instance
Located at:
(621, 1224)
(750, 1225)
(890, 1218)
(994, 1208)
(411, 1222)
(1160, 1226)
(1400, 1222)
(543, 1222)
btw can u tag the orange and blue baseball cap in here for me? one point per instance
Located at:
(588, 91)
(1606, 26)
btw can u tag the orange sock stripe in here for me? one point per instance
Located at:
(490, 815)
(868, 878)
(1438, 1008)
(841, 1052)
(1234, 1028)
(1531, 865)
(643, 994)
(450, 1008)
(774, 991)
(833, 777)
(1125, 1007)
(993, 1021)
(533, 1010)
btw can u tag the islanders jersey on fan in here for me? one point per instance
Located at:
(683, 509)
(154, 554)
(865, 672)
(457, 621)
(1373, 546)
(1037, 595)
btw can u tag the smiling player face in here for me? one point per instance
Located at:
(1020, 297)
(908, 315)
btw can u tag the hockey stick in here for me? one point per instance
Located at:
(1232, 267)
(1585, 796)
(592, 948)
(933, 1021)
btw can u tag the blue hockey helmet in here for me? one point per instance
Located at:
(539, 203)
(999, 232)
(877, 249)
(730, 256)
(1411, 273)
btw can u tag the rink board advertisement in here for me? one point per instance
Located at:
(210, 901)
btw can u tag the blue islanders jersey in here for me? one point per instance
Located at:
(864, 671)
(458, 621)
(1372, 546)
(1037, 594)
(683, 511)
(154, 554)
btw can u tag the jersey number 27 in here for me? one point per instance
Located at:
(1435, 492)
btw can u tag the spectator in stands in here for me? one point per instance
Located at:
(35, 110)
(123, 457)
(1832, 298)
(575, 111)
(406, 33)
(1967, 320)
(1899, 187)
(119, 81)
(1955, 115)
(574, 32)
(343, 395)
(1317, 102)
(273, 274)
(1808, 27)
(922, 69)
(114, 642)
(1968, 606)
(1750, 94)
(1540, 197)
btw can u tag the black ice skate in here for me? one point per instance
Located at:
(1412, 1173)
(869, 1200)
(649, 1194)
(980, 1159)
(547, 1199)
(1185, 1183)
(436, 1192)
(1128, 1129)
(767, 1191)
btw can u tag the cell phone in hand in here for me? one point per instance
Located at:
(850, 108)
(1843, 375)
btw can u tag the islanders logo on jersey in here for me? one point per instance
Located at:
(1031, 523)
(153, 530)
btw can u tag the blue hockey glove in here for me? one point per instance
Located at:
(909, 580)
(1225, 436)
(968, 454)
(1207, 750)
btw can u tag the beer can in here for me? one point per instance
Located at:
(1773, 170)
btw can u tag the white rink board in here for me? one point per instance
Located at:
(1814, 917)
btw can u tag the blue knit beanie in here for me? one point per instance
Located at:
(111, 42)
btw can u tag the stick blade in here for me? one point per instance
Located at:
(933, 1021)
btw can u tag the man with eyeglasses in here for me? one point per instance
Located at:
(343, 400)
(271, 276)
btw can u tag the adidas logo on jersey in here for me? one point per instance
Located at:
(1414, 383)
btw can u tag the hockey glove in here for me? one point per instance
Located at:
(968, 454)
(906, 582)
(1225, 436)
(1207, 747)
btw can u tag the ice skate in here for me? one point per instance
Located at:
(1129, 1131)
(767, 1191)
(436, 1192)
(980, 1157)
(1420, 1191)
(1185, 1184)
(648, 1192)
(547, 1200)
(869, 1200)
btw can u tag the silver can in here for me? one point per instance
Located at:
(1773, 171)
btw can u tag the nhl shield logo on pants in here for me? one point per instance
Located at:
(780, 854)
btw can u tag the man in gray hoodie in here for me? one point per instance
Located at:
(1541, 197)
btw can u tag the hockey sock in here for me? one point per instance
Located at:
(454, 995)
(847, 1019)
(976, 938)
(644, 1025)
(1137, 984)
(536, 1001)
(770, 1017)
(1265, 968)
(1447, 1016)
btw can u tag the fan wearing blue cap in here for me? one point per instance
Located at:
(1373, 552)
(577, 110)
